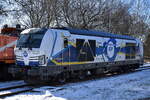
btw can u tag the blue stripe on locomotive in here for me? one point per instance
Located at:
(20, 63)
(31, 63)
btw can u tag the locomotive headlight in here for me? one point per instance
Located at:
(42, 60)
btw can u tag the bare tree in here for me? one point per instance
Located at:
(3, 11)
(140, 15)
(80, 13)
(108, 15)
(120, 20)
(35, 13)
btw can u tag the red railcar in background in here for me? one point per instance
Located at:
(8, 40)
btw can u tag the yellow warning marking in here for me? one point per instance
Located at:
(67, 63)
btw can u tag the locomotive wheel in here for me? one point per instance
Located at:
(93, 72)
(98, 72)
(82, 74)
(61, 78)
(125, 69)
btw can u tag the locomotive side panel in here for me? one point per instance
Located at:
(80, 50)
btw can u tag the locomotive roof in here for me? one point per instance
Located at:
(97, 33)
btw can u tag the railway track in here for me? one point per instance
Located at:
(143, 68)
(14, 90)
(12, 85)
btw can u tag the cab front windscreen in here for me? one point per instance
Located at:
(31, 40)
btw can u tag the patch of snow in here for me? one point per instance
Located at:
(131, 86)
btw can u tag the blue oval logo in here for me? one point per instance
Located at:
(25, 54)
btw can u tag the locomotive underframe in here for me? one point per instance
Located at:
(48, 72)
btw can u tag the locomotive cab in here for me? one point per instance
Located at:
(27, 50)
(37, 46)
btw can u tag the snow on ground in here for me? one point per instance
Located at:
(133, 86)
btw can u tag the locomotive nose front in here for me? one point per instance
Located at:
(27, 50)
(30, 58)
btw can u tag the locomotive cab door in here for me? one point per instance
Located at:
(66, 51)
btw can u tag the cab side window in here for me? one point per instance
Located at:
(65, 42)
